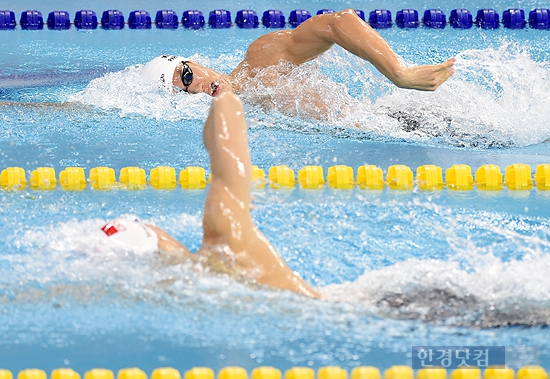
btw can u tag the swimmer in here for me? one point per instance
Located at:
(231, 243)
(309, 40)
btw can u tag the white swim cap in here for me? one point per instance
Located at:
(161, 68)
(132, 235)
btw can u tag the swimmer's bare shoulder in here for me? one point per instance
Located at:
(171, 251)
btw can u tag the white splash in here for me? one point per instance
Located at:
(474, 288)
(497, 98)
(128, 93)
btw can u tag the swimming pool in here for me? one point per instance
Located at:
(397, 269)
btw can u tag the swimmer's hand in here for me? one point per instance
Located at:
(425, 78)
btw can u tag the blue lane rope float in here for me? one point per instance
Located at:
(85, 19)
(192, 19)
(487, 19)
(407, 18)
(31, 20)
(138, 19)
(59, 20)
(112, 19)
(247, 19)
(460, 18)
(166, 19)
(7, 20)
(268, 372)
(298, 16)
(459, 177)
(220, 19)
(273, 18)
(380, 19)
(434, 18)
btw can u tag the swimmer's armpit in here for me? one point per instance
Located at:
(170, 249)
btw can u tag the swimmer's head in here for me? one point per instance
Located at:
(186, 75)
(132, 235)
(162, 68)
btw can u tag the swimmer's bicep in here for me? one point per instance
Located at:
(309, 40)
(217, 215)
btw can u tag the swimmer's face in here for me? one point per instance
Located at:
(197, 79)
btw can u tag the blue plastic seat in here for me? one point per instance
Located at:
(461, 19)
(31, 20)
(298, 16)
(219, 19)
(192, 19)
(380, 19)
(112, 19)
(325, 11)
(85, 19)
(407, 18)
(7, 20)
(139, 20)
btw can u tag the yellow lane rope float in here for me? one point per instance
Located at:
(517, 177)
(267, 372)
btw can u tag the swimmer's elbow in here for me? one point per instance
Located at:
(346, 17)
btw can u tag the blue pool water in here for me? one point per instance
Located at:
(395, 269)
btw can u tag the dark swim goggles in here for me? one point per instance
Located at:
(186, 75)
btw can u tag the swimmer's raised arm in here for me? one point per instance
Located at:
(230, 235)
(344, 28)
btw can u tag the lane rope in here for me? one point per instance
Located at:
(113, 19)
(267, 372)
(459, 177)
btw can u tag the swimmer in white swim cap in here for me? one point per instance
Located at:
(176, 71)
(231, 242)
(309, 40)
(163, 69)
(142, 239)
(133, 235)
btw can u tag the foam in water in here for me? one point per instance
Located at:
(477, 286)
(497, 98)
(127, 92)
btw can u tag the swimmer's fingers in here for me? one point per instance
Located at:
(446, 70)
(448, 63)
(447, 75)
